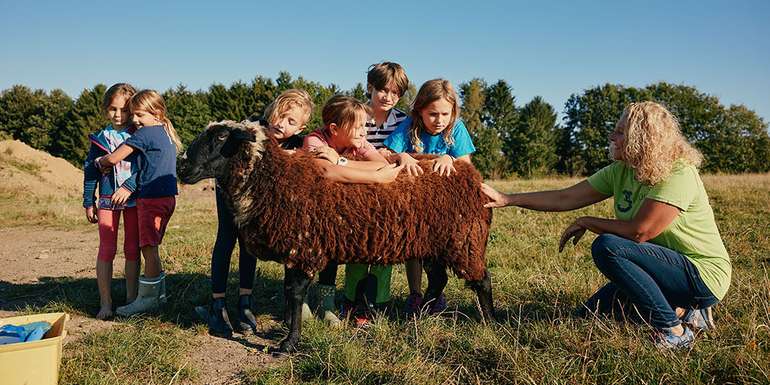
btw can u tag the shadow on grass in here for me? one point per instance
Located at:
(185, 290)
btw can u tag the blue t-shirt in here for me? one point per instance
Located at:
(156, 156)
(399, 140)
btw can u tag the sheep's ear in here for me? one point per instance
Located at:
(230, 147)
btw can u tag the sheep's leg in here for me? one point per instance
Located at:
(437, 279)
(295, 287)
(483, 289)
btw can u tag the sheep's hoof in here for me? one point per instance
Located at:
(288, 345)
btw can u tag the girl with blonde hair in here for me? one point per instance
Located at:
(663, 252)
(155, 146)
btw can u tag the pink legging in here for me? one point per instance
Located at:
(109, 221)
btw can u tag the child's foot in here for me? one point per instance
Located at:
(437, 305)
(246, 319)
(699, 319)
(413, 305)
(666, 338)
(105, 312)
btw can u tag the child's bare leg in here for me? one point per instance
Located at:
(104, 281)
(132, 279)
(152, 266)
(414, 275)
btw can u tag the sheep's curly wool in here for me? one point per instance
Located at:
(283, 203)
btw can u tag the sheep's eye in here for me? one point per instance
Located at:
(222, 136)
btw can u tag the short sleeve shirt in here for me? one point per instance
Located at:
(399, 141)
(320, 138)
(693, 233)
(377, 135)
(156, 159)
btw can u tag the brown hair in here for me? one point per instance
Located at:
(152, 102)
(654, 142)
(381, 75)
(345, 112)
(429, 92)
(285, 101)
(117, 89)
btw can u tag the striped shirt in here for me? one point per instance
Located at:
(376, 135)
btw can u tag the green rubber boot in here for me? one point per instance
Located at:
(326, 294)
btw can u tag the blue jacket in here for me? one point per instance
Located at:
(92, 175)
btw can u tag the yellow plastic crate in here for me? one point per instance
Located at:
(34, 363)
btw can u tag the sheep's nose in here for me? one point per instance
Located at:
(183, 156)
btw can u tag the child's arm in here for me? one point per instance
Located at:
(106, 163)
(347, 174)
(90, 179)
(121, 195)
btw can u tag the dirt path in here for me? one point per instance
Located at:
(29, 255)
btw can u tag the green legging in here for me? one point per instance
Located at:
(355, 272)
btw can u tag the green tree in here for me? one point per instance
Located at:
(84, 118)
(405, 102)
(359, 92)
(532, 142)
(33, 117)
(488, 157)
(500, 117)
(188, 112)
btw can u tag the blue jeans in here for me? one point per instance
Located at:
(653, 278)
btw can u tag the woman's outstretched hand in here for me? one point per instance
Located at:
(498, 199)
(574, 232)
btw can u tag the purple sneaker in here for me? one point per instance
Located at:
(437, 305)
(413, 305)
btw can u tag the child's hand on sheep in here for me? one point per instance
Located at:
(388, 173)
(444, 165)
(326, 152)
(406, 160)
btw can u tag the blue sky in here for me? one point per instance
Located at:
(546, 48)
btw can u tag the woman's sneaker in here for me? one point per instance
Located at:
(699, 319)
(666, 339)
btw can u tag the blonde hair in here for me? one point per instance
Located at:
(285, 101)
(152, 102)
(654, 142)
(346, 112)
(429, 92)
(118, 89)
(380, 75)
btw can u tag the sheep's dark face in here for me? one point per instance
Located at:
(207, 156)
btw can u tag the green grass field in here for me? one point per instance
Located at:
(535, 340)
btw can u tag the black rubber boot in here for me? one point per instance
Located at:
(246, 320)
(219, 321)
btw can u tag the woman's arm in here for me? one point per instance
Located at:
(651, 219)
(570, 198)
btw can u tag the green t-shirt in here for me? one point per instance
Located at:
(693, 233)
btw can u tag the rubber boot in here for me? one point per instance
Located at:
(149, 299)
(246, 320)
(219, 321)
(326, 294)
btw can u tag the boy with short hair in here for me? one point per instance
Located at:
(386, 84)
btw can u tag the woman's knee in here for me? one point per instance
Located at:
(605, 247)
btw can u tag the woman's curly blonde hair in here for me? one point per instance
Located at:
(654, 142)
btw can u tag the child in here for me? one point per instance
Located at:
(386, 83)
(115, 197)
(286, 117)
(344, 136)
(433, 128)
(156, 145)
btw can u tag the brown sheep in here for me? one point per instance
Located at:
(288, 212)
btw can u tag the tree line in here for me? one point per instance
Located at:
(524, 141)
